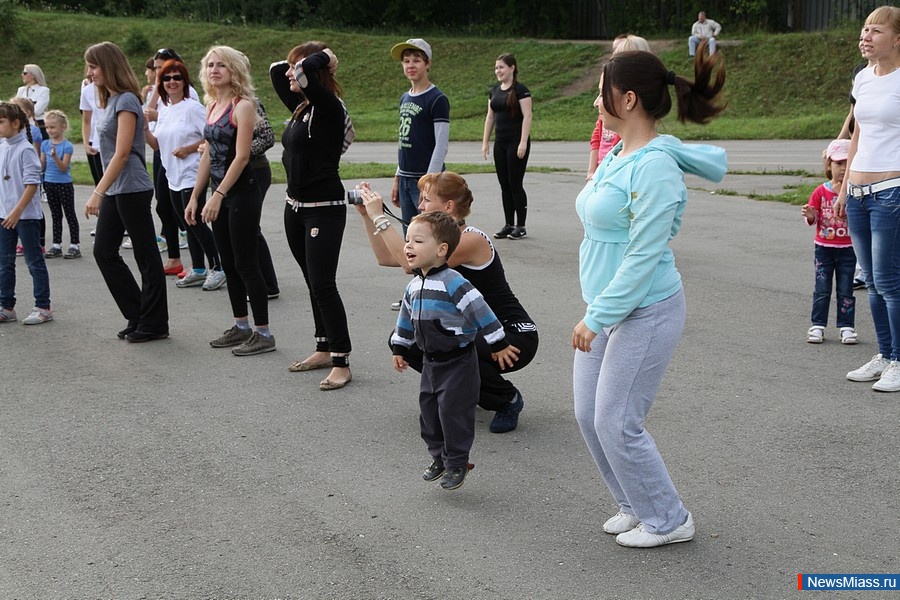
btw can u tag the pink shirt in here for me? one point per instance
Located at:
(831, 231)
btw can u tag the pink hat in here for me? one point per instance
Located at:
(838, 150)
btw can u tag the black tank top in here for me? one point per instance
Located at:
(490, 280)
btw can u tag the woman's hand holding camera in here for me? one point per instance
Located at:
(372, 205)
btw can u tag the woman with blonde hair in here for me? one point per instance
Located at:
(235, 205)
(121, 199)
(870, 194)
(36, 90)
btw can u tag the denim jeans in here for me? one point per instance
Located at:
(838, 264)
(875, 228)
(409, 199)
(29, 231)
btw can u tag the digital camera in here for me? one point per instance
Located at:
(354, 197)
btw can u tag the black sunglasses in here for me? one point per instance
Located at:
(172, 77)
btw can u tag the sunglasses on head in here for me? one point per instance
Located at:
(172, 78)
(167, 54)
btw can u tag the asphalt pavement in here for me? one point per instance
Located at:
(174, 470)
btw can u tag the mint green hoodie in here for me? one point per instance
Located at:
(630, 210)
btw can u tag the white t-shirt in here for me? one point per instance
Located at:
(89, 102)
(877, 112)
(180, 125)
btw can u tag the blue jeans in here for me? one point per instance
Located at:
(409, 199)
(875, 228)
(837, 264)
(29, 231)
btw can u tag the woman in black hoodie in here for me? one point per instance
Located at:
(315, 214)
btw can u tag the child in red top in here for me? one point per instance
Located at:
(834, 256)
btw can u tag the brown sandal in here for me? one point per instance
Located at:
(308, 366)
(327, 384)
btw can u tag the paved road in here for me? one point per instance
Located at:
(172, 470)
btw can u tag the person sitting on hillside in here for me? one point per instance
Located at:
(703, 29)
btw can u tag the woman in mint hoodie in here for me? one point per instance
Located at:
(630, 209)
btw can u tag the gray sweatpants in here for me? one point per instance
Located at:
(615, 385)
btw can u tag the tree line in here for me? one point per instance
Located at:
(534, 18)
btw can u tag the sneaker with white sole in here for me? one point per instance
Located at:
(870, 371)
(640, 538)
(161, 244)
(214, 280)
(890, 379)
(38, 316)
(621, 523)
(7, 315)
(192, 279)
(126, 243)
(182, 239)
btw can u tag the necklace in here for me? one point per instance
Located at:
(880, 74)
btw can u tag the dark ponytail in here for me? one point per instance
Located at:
(644, 74)
(512, 99)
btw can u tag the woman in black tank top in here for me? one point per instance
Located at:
(235, 205)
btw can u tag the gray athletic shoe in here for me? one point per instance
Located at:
(257, 344)
(214, 280)
(232, 337)
(192, 279)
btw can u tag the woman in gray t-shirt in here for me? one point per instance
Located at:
(121, 199)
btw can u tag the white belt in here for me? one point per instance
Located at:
(858, 191)
(296, 204)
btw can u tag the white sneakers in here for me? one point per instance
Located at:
(621, 523)
(885, 373)
(890, 379)
(870, 371)
(640, 538)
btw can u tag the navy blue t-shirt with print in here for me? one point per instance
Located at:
(418, 114)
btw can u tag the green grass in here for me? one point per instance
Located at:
(797, 194)
(789, 86)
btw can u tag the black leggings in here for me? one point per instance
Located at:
(315, 236)
(164, 207)
(511, 174)
(236, 230)
(200, 237)
(263, 174)
(61, 198)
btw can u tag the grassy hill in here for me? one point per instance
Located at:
(779, 86)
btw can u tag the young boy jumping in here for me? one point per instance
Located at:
(443, 313)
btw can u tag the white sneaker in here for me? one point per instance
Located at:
(870, 371)
(214, 280)
(638, 538)
(127, 243)
(890, 379)
(38, 316)
(621, 523)
(182, 239)
(161, 244)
